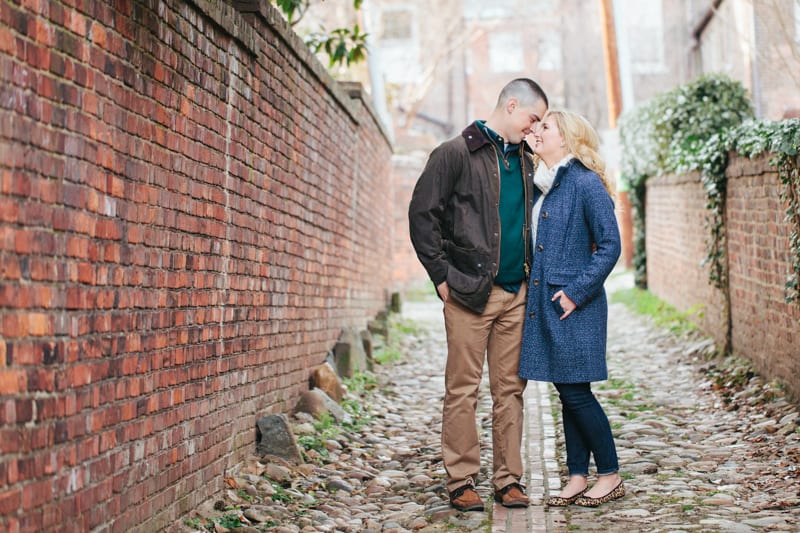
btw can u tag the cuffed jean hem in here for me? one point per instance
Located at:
(584, 474)
(608, 473)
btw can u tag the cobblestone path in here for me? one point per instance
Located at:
(704, 445)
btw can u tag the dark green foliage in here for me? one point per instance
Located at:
(671, 133)
(342, 46)
(696, 127)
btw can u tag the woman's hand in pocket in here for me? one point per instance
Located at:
(565, 302)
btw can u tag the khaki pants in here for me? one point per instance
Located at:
(496, 334)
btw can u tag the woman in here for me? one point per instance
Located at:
(576, 245)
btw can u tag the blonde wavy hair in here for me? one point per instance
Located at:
(582, 141)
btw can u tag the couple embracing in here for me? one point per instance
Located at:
(518, 241)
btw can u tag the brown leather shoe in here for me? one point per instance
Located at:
(465, 498)
(512, 496)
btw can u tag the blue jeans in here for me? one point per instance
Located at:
(586, 429)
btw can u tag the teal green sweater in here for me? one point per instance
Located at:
(512, 212)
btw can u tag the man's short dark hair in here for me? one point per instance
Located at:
(525, 90)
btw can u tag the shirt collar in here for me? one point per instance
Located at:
(496, 138)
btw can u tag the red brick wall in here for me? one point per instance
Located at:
(676, 247)
(763, 327)
(190, 212)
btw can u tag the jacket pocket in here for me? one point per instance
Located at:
(466, 260)
(465, 283)
(559, 278)
(556, 281)
(468, 277)
(471, 290)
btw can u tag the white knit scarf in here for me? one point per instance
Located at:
(543, 179)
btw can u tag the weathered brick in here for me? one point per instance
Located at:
(23, 410)
(36, 494)
(156, 243)
(758, 257)
(10, 500)
(12, 381)
(38, 324)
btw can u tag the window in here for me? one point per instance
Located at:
(550, 51)
(644, 24)
(397, 25)
(399, 44)
(505, 52)
(481, 9)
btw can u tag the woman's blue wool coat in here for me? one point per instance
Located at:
(576, 214)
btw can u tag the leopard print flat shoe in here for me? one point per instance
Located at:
(617, 493)
(559, 501)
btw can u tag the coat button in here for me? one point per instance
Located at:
(539, 248)
(480, 265)
(545, 215)
(536, 283)
(532, 315)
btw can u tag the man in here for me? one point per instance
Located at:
(469, 221)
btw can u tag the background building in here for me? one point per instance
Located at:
(439, 68)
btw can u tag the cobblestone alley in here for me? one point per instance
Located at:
(703, 448)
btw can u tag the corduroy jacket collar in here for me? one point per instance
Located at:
(475, 138)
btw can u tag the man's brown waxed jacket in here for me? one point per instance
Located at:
(454, 217)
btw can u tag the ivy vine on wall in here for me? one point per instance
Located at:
(695, 127)
(782, 140)
(667, 135)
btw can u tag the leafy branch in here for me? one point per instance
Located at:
(342, 46)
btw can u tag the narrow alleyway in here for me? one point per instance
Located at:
(701, 449)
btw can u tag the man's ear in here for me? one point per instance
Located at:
(511, 105)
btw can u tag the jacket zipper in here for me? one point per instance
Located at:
(526, 229)
(499, 225)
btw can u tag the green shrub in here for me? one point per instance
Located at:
(670, 134)
(695, 127)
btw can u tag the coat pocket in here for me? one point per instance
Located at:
(468, 279)
(465, 284)
(560, 278)
(467, 273)
(467, 260)
(556, 281)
